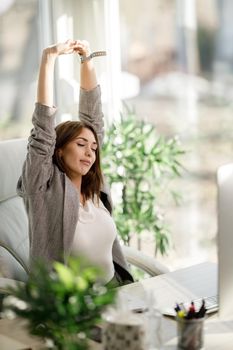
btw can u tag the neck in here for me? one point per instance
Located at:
(77, 182)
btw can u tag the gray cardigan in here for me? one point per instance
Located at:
(50, 198)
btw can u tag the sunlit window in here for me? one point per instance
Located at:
(182, 53)
(18, 65)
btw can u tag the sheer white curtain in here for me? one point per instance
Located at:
(98, 22)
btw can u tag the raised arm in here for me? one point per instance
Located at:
(38, 167)
(46, 78)
(90, 106)
(88, 80)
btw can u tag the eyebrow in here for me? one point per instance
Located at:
(83, 138)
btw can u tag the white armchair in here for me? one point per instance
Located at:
(14, 241)
(144, 262)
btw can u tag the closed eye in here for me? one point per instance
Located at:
(81, 145)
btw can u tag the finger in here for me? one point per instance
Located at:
(68, 42)
(77, 42)
(79, 48)
(71, 43)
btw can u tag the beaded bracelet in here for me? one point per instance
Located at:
(93, 54)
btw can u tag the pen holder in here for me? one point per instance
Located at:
(190, 333)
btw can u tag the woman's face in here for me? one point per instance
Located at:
(80, 154)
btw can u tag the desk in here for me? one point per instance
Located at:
(181, 285)
(218, 336)
(13, 336)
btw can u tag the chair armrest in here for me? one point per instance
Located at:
(7, 282)
(145, 262)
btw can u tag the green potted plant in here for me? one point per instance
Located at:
(139, 165)
(62, 305)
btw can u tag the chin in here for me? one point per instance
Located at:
(84, 172)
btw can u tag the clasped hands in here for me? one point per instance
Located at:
(70, 46)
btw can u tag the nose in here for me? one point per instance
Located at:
(88, 151)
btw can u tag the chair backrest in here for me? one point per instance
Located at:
(14, 240)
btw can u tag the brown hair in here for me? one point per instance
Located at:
(67, 132)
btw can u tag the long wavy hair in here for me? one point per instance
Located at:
(67, 132)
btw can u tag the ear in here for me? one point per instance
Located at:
(59, 152)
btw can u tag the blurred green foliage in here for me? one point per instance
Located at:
(138, 163)
(62, 305)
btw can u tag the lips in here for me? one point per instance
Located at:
(86, 162)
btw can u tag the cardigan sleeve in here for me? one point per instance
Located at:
(38, 166)
(90, 110)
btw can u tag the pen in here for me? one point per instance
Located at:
(180, 310)
(182, 307)
(177, 308)
(192, 312)
(202, 311)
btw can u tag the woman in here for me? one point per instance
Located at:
(67, 202)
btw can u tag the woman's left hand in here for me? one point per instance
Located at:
(82, 47)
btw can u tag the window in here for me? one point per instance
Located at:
(183, 58)
(18, 66)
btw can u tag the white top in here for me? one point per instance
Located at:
(94, 236)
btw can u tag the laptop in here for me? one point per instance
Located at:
(205, 281)
(181, 286)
